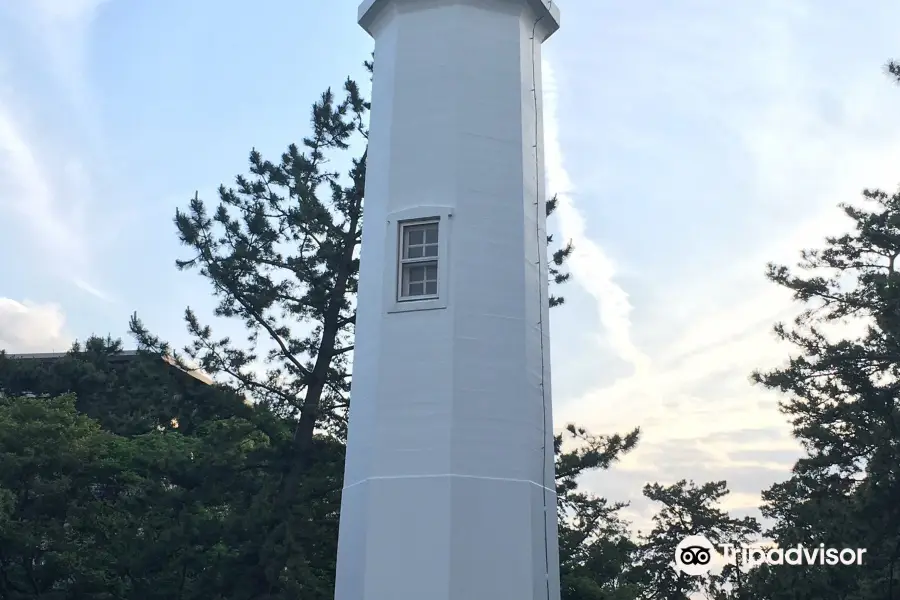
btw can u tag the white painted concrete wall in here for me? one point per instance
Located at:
(450, 442)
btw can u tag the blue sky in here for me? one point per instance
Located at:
(692, 142)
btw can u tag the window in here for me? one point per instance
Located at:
(417, 257)
(418, 260)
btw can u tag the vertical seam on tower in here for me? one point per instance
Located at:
(541, 283)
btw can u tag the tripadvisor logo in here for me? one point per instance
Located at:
(695, 554)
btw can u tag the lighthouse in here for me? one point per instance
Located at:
(449, 488)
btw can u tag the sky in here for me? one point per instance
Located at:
(690, 144)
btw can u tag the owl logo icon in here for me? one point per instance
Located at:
(693, 555)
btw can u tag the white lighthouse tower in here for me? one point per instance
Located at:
(449, 487)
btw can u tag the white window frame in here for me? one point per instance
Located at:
(404, 262)
(396, 223)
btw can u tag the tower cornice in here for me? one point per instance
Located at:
(546, 10)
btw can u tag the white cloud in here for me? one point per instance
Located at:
(93, 291)
(67, 10)
(43, 194)
(62, 27)
(809, 139)
(29, 196)
(591, 267)
(28, 193)
(30, 327)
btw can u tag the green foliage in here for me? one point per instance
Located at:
(558, 258)
(841, 394)
(596, 550)
(687, 509)
(842, 398)
(112, 388)
(280, 253)
(168, 511)
(82, 506)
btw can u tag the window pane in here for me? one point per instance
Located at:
(416, 273)
(431, 250)
(416, 235)
(418, 279)
(431, 233)
(414, 252)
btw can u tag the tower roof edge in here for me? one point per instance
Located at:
(546, 10)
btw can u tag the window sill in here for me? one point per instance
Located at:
(399, 306)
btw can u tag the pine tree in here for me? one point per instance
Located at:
(688, 509)
(595, 545)
(843, 399)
